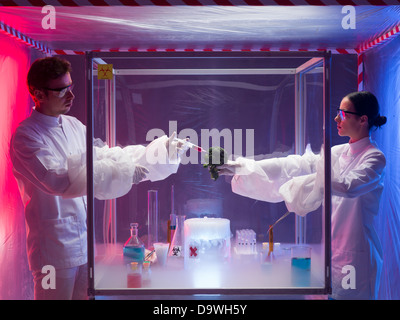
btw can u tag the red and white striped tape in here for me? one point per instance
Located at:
(380, 40)
(5, 29)
(334, 51)
(360, 53)
(360, 72)
(76, 3)
(30, 42)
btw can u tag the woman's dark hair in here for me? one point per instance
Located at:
(45, 69)
(365, 103)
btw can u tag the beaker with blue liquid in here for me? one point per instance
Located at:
(301, 265)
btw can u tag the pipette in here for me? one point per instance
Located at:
(190, 145)
(280, 219)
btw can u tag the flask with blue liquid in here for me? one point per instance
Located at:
(134, 248)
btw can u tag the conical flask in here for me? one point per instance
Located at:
(133, 248)
(176, 248)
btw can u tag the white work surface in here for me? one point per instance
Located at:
(239, 272)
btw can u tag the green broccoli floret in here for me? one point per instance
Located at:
(215, 157)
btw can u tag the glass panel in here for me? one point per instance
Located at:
(248, 107)
(313, 129)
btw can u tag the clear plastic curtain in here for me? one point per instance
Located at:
(382, 67)
(15, 277)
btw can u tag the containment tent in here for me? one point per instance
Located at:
(271, 76)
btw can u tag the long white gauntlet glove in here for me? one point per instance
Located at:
(230, 168)
(139, 174)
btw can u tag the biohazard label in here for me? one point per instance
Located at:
(176, 251)
(105, 72)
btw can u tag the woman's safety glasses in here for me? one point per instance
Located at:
(342, 113)
(60, 92)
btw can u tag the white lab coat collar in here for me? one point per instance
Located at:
(48, 121)
(359, 145)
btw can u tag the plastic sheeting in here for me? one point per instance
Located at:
(14, 271)
(215, 27)
(382, 67)
(15, 278)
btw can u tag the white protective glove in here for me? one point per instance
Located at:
(239, 167)
(176, 147)
(139, 174)
(230, 168)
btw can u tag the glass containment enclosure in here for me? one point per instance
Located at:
(180, 231)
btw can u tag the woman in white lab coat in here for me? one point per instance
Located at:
(357, 183)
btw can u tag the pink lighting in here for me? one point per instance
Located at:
(15, 105)
(16, 35)
(171, 27)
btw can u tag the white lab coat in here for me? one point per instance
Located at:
(357, 184)
(49, 163)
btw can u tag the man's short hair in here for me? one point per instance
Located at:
(45, 69)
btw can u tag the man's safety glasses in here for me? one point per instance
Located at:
(342, 113)
(60, 92)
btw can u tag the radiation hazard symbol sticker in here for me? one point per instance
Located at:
(105, 72)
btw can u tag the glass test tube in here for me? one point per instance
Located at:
(152, 217)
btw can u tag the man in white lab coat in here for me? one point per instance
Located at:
(48, 152)
(357, 183)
